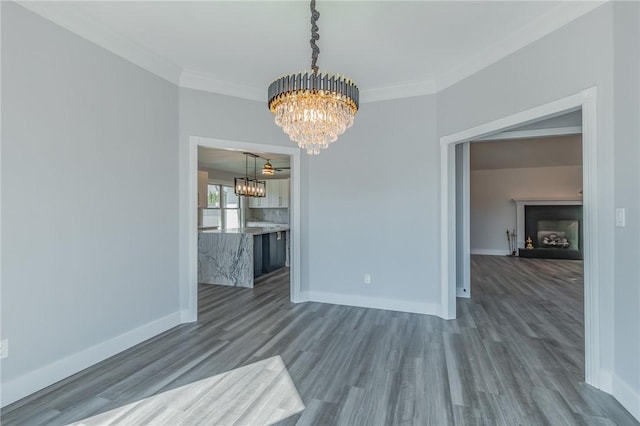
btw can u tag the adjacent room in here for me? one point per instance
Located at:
(201, 225)
(243, 221)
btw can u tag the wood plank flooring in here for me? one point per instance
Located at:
(513, 357)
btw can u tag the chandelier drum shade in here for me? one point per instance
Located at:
(313, 108)
(247, 186)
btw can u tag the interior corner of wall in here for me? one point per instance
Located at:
(606, 381)
(626, 395)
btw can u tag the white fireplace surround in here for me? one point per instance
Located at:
(521, 203)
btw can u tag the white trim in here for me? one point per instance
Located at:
(627, 396)
(606, 381)
(532, 115)
(1, 335)
(461, 293)
(397, 91)
(33, 381)
(535, 133)
(447, 231)
(208, 83)
(521, 203)
(77, 21)
(587, 101)
(591, 244)
(466, 220)
(69, 16)
(375, 303)
(189, 286)
(489, 252)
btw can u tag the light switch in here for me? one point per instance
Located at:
(620, 217)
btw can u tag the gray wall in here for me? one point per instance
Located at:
(575, 57)
(373, 206)
(627, 193)
(90, 237)
(355, 215)
(493, 210)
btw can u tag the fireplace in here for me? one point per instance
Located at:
(554, 227)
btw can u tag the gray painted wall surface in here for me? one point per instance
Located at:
(373, 205)
(492, 191)
(355, 218)
(90, 233)
(626, 26)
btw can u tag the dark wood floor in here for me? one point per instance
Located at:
(513, 357)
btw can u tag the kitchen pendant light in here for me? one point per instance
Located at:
(250, 187)
(313, 108)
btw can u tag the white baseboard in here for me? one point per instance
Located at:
(461, 293)
(490, 252)
(605, 383)
(33, 381)
(187, 316)
(628, 397)
(375, 303)
(303, 296)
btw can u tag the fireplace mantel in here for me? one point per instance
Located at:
(522, 202)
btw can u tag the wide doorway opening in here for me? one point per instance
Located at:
(455, 236)
(244, 221)
(524, 196)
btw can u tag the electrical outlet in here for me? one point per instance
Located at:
(367, 278)
(4, 348)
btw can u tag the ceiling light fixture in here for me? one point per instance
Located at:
(313, 108)
(250, 187)
(268, 169)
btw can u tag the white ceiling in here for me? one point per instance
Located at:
(233, 162)
(390, 48)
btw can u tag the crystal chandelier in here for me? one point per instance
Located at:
(250, 187)
(313, 108)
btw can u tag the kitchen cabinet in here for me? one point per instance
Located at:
(274, 254)
(277, 195)
(203, 189)
(281, 194)
(258, 202)
(257, 255)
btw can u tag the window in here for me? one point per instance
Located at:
(223, 207)
(231, 208)
(213, 198)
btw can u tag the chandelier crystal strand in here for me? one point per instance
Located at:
(313, 108)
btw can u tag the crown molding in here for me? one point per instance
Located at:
(68, 16)
(547, 23)
(206, 82)
(396, 91)
(73, 19)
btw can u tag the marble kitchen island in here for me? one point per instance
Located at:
(234, 257)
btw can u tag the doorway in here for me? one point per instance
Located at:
(586, 102)
(190, 286)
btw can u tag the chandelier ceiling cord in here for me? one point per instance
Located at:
(314, 108)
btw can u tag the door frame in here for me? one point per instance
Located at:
(192, 221)
(585, 100)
